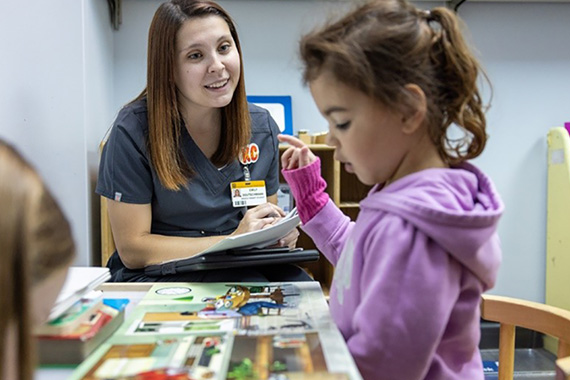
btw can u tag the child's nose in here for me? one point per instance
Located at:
(330, 139)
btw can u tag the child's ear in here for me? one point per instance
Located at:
(417, 110)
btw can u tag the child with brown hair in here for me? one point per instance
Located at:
(391, 79)
(36, 249)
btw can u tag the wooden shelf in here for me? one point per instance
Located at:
(345, 190)
(343, 205)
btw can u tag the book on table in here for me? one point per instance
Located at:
(79, 282)
(225, 331)
(70, 319)
(75, 346)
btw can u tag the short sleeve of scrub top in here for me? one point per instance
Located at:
(203, 207)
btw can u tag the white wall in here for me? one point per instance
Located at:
(52, 76)
(41, 107)
(98, 69)
(65, 76)
(526, 50)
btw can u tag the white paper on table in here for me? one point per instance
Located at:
(256, 239)
(79, 282)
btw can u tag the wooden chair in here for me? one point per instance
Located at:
(512, 312)
(563, 368)
(107, 242)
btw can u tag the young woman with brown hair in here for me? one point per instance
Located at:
(36, 249)
(174, 151)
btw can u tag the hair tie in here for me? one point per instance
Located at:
(426, 14)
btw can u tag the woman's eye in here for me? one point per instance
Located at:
(343, 126)
(225, 47)
(195, 56)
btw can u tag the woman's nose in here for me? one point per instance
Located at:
(216, 64)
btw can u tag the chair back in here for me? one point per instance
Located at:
(546, 319)
(107, 242)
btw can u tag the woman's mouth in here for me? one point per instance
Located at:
(217, 85)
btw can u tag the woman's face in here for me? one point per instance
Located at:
(44, 295)
(207, 63)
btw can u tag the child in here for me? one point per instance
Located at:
(36, 248)
(390, 80)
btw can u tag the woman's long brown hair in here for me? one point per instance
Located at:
(165, 122)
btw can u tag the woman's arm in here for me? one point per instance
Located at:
(138, 247)
(272, 198)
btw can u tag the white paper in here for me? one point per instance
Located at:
(256, 239)
(79, 281)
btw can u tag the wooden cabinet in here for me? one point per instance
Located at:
(345, 190)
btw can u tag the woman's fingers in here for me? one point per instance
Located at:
(259, 217)
(290, 240)
(265, 210)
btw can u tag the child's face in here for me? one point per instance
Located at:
(207, 63)
(369, 139)
(44, 295)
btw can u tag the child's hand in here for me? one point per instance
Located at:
(297, 155)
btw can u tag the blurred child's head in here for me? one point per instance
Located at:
(413, 64)
(36, 248)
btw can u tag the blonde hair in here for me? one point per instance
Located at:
(35, 241)
(384, 45)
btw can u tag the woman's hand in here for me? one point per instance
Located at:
(289, 240)
(259, 217)
(297, 155)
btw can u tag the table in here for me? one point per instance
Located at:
(291, 315)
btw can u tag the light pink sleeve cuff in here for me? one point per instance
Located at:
(308, 188)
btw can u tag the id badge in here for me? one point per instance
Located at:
(248, 193)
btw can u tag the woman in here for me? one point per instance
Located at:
(37, 248)
(172, 154)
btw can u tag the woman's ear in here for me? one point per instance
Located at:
(417, 110)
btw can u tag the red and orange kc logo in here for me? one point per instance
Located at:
(249, 154)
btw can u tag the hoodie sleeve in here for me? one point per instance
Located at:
(408, 288)
(329, 229)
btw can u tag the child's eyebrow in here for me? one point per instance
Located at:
(332, 109)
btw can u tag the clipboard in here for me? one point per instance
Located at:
(260, 238)
(233, 259)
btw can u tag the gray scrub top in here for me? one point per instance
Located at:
(204, 207)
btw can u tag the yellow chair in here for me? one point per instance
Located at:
(512, 312)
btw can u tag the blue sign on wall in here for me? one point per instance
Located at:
(280, 109)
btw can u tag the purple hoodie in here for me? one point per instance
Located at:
(410, 272)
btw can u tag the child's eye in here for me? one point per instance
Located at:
(343, 126)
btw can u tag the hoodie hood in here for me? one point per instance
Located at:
(458, 208)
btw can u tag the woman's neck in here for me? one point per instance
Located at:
(204, 126)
